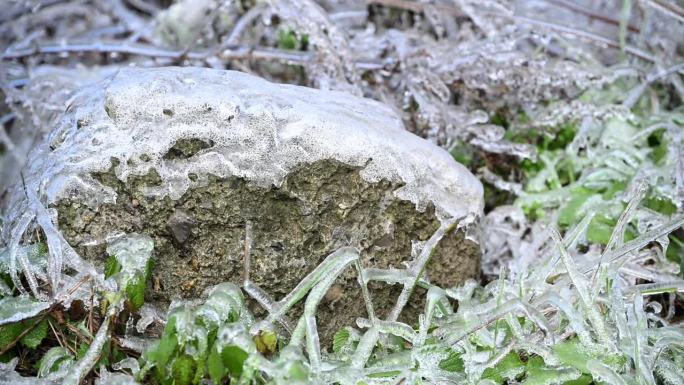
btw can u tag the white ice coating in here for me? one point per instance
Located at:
(260, 131)
(132, 252)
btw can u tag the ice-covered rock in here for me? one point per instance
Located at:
(188, 156)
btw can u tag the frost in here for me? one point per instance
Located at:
(288, 126)
(133, 252)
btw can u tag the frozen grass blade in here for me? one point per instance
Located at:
(346, 257)
(416, 270)
(17, 234)
(582, 286)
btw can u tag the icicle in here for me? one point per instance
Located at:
(54, 267)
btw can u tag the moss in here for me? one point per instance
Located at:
(319, 208)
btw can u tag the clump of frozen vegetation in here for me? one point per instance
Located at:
(575, 128)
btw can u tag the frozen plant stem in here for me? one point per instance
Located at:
(416, 270)
(81, 369)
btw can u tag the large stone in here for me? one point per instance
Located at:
(188, 156)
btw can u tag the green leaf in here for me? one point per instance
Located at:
(33, 338)
(509, 368)
(215, 365)
(135, 291)
(391, 373)
(340, 338)
(112, 266)
(183, 369)
(8, 333)
(298, 372)
(53, 360)
(82, 350)
(539, 374)
(453, 363)
(234, 359)
(571, 212)
(569, 353)
(675, 252)
(584, 379)
(661, 205)
(600, 229)
(166, 346)
(266, 342)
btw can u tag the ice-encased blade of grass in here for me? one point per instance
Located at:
(583, 289)
(416, 270)
(364, 289)
(634, 197)
(575, 318)
(453, 332)
(342, 259)
(52, 236)
(645, 289)
(331, 262)
(8, 376)
(640, 241)
(641, 348)
(551, 258)
(17, 233)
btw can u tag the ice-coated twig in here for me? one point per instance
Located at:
(365, 348)
(139, 49)
(242, 24)
(247, 252)
(329, 264)
(669, 8)
(635, 93)
(83, 366)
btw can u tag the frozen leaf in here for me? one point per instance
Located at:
(340, 339)
(509, 368)
(112, 266)
(55, 359)
(234, 359)
(15, 309)
(266, 342)
(453, 363)
(183, 369)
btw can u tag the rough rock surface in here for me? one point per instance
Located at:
(188, 156)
